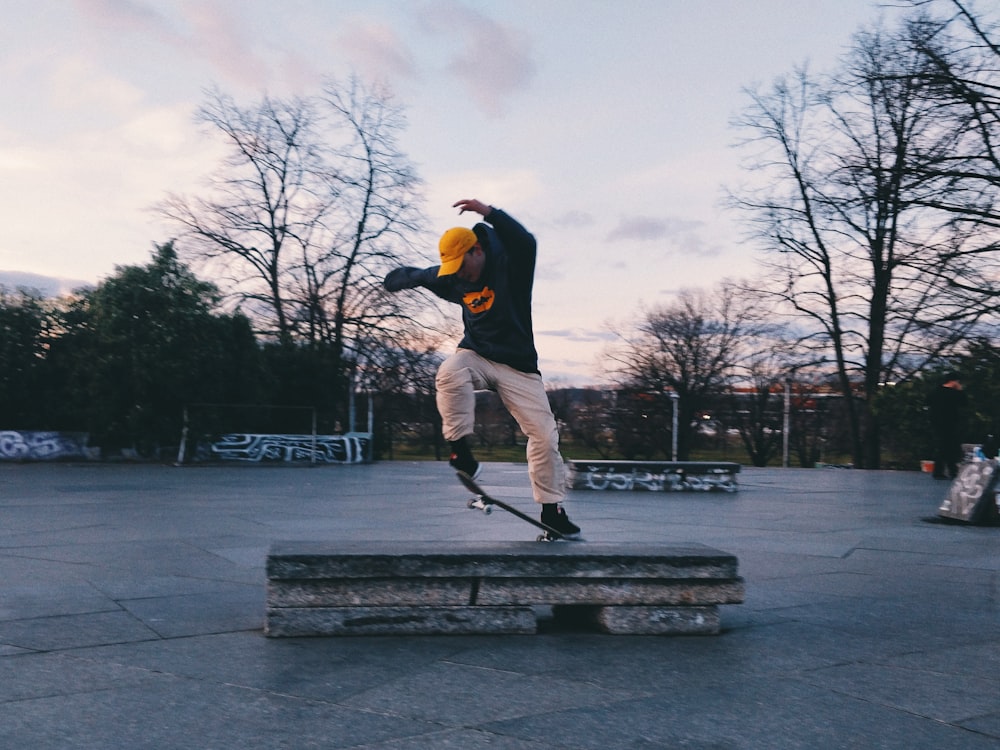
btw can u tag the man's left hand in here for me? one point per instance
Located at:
(472, 204)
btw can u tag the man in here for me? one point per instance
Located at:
(489, 270)
(946, 405)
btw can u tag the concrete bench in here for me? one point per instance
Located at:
(375, 588)
(655, 476)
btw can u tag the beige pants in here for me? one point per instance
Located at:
(523, 394)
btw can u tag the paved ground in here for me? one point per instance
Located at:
(132, 600)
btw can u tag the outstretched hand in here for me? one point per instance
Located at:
(472, 204)
(398, 279)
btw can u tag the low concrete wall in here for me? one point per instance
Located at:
(376, 588)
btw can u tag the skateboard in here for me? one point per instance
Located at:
(482, 501)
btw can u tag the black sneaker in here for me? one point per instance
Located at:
(554, 515)
(462, 460)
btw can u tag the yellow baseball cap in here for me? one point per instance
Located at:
(453, 246)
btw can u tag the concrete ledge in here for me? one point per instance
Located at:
(440, 587)
(653, 476)
(350, 560)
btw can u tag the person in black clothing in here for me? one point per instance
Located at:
(489, 271)
(946, 405)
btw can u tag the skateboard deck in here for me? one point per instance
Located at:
(484, 502)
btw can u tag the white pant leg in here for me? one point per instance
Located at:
(525, 398)
(457, 381)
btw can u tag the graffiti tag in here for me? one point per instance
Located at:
(259, 448)
(974, 483)
(607, 478)
(18, 445)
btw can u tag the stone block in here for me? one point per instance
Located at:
(641, 620)
(342, 621)
(354, 592)
(610, 591)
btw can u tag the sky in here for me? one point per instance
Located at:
(602, 125)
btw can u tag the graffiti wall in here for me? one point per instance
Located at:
(258, 448)
(18, 445)
(24, 445)
(680, 477)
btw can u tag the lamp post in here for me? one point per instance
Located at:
(786, 425)
(674, 398)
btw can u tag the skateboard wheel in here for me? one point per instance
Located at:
(478, 504)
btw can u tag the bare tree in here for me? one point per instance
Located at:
(312, 204)
(755, 399)
(584, 416)
(692, 348)
(402, 380)
(860, 255)
(962, 48)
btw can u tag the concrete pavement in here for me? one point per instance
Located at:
(132, 605)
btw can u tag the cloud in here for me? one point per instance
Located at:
(675, 233)
(162, 132)
(126, 17)
(658, 245)
(493, 60)
(376, 50)
(221, 36)
(578, 335)
(514, 190)
(574, 219)
(642, 228)
(18, 160)
(76, 83)
(215, 32)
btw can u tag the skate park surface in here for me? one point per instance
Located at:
(132, 602)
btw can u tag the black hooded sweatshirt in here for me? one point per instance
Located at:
(496, 309)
